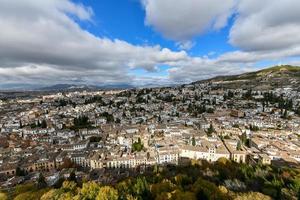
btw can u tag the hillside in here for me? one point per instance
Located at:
(274, 77)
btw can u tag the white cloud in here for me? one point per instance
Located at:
(262, 30)
(266, 25)
(184, 19)
(41, 41)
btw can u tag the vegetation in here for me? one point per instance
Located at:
(253, 128)
(20, 172)
(278, 68)
(199, 109)
(202, 180)
(193, 141)
(210, 130)
(109, 117)
(137, 146)
(248, 95)
(298, 111)
(81, 122)
(3, 196)
(39, 124)
(95, 99)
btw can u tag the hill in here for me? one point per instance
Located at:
(273, 77)
(74, 87)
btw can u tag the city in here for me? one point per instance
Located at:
(149, 100)
(92, 131)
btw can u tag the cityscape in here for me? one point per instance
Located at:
(126, 120)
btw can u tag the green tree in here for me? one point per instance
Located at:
(206, 190)
(141, 188)
(193, 141)
(89, 191)
(239, 146)
(107, 193)
(72, 177)
(41, 182)
(210, 130)
(70, 186)
(20, 172)
(44, 124)
(137, 146)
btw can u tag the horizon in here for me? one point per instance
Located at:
(134, 42)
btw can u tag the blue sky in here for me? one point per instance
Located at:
(142, 42)
(126, 21)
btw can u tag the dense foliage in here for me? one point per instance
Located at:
(200, 180)
(81, 122)
(137, 146)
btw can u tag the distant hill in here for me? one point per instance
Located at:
(277, 76)
(70, 87)
(64, 87)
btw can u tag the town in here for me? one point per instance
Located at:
(113, 130)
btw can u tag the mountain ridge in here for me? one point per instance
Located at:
(268, 78)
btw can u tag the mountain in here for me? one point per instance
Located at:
(70, 87)
(63, 87)
(273, 77)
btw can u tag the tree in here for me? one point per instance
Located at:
(159, 118)
(161, 190)
(206, 190)
(3, 196)
(72, 177)
(118, 121)
(22, 188)
(252, 195)
(107, 193)
(44, 124)
(244, 138)
(89, 190)
(20, 172)
(141, 188)
(81, 122)
(67, 191)
(59, 182)
(70, 186)
(32, 195)
(285, 114)
(298, 111)
(254, 128)
(193, 141)
(210, 130)
(178, 195)
(137, 146)
(124, 188)
(41, 182)
(109, 117)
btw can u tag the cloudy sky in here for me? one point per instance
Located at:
(141, 42)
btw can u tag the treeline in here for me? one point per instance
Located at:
(285, 104)
(95, 99)
(63, 102)
(195, 109)
(200, 180)
(39, 124)
(109, 117)
(81, 122)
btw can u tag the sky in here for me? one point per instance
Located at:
(142, 42)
